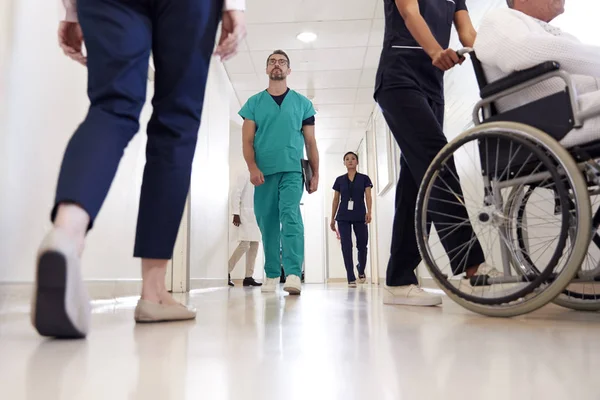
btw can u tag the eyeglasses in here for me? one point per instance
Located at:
(282, 61)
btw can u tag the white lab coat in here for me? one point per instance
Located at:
(509, 41)
(242, 204)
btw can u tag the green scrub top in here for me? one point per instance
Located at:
(278, 142)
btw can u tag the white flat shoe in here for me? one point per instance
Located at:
(61, 305)
(146, 311)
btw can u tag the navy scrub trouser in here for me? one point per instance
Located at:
(416, 123)
(119, 36)
(362, 237)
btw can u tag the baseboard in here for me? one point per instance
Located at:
(428, 283)
(205, 283)
(97, 289)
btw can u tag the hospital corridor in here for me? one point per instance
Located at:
(300, 199)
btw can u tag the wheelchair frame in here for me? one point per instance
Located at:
(567, 117)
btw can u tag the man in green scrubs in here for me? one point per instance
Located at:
(278, 124)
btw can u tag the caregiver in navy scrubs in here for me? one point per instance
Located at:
(348, 209)
(409, 89)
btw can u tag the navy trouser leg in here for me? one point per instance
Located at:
(361, 230)
(345, 229)
(184, 37)
(119, 37)
(416, 123)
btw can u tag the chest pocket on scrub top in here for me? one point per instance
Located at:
(451, 9)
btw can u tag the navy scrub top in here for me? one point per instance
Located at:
(403, 62)
(359, 185)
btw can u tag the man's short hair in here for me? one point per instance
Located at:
(281, 53)
(511, 3)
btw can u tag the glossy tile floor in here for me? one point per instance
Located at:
(329, 343)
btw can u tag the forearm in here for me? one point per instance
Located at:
(419, 28)
(334, 208)
(467, 37)
(249, 155)
(313, 157)
(369, 203)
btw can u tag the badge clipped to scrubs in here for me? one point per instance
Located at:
(350, 205)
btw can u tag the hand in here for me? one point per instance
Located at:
(236, 220)
(70, 40)
(256, 177)
(233, 31)
(368, 218)
(332, 226)
(314, 184)
(446, 59)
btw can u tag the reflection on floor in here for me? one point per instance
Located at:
(330, 343)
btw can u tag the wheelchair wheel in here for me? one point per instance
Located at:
(466, 196)
(583, 293)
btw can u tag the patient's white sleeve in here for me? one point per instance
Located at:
(508, 42)
(70, 8)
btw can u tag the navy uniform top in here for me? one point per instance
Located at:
(354, 190)
(403, 62)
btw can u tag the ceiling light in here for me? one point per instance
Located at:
(307, 37)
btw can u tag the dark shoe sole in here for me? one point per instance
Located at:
(51, 317)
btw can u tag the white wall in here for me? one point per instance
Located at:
(209, 212)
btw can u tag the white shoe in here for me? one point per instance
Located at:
(485, 269)
(293, 284)
(61, 305)
(484, 272)
(411, 295)
(270, 285)
(352, 284)
(362, 280)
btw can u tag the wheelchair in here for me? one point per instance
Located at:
(531, 204)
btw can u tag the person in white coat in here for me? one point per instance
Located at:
(520, 37)
(248, 233)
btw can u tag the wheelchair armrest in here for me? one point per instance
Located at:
(518, 78)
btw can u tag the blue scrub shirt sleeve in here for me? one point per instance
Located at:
(461, 5)
(368, 183)
(247, 111)
(336, 185)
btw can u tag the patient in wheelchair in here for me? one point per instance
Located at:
(522, 37)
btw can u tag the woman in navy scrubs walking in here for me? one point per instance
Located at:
(409, 88)
(349, 211)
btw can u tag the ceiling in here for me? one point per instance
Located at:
(337, 71)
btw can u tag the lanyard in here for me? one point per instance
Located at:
(351, 185)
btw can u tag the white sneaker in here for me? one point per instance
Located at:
(362, 280)
(352, 284)
(485, 269)
(61, 305)
(411, 295)
(293, 284)
(270, 285)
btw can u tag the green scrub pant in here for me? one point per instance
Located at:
(277, 209)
